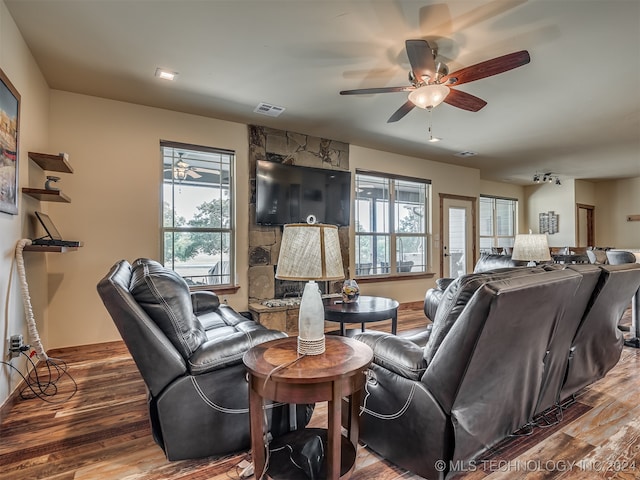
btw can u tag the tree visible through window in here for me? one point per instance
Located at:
(198, 214)
(497, 223)
(390, 216)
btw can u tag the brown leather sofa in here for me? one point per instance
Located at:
(188, 348)
(503, 346)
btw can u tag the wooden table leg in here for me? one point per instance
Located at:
(334, 433)
(394, 322)
(354, 420)
(257, 429)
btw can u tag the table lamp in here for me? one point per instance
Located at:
(310, 251)
(531, 247)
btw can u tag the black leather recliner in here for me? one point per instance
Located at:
(486, 262)
(188, 349)
(451, 400)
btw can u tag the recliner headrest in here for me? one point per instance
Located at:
(164, 296)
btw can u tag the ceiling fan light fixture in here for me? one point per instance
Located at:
(429, 96)
(179, 173)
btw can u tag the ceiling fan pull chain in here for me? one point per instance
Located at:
(432, 139)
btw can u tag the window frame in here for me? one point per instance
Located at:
(391, 232)
(494, 226)
(227, 287)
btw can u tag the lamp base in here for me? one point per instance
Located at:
(311, 321)
(310, 347)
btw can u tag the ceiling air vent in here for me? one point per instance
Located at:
(466, 153)
(268, 109)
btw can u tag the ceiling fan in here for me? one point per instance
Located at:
(432, 84)
(181, 170)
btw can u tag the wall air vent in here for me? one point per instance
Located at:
(268, 109)
(466, 153)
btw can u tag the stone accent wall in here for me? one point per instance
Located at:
(264, 242)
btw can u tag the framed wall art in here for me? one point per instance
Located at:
(548, 222)
(9, 127)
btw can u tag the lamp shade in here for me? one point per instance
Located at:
(531, 247)
(310, 252)
(429, 96)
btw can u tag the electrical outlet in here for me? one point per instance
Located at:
(15, 343)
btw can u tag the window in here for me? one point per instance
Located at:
(391, 224)
(497, 223)
(198, 213)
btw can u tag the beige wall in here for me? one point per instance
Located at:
(18, 65)
(114, 148)
(615, 200)
(559, 199)
(585, 192)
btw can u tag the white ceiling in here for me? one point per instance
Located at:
(573, 111)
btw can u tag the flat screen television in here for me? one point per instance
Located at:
(290, 193)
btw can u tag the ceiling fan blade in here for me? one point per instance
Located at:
(367, 91)
(464, 100)
(421, 59)
(193, 174)
(401, 112)
(488, 68)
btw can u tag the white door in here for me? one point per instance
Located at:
(458, 231)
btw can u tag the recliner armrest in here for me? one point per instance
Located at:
(204, 301)
(224, 352)
(421, 338)
(396, 354)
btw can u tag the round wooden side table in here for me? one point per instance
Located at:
(366, 309)
(339, 371)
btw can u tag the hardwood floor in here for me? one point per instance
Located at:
(102, 432)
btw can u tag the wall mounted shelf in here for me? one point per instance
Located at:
(49, 249)
(46, 195)
(53, 163)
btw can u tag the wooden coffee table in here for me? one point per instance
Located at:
(338, 372)
(366, 309)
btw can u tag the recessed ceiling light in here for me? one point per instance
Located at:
(165, 74)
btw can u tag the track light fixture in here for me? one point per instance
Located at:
(548, 177)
